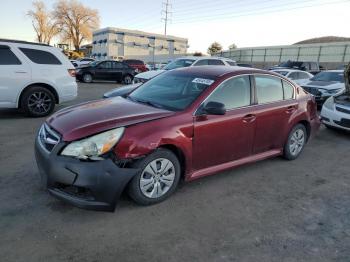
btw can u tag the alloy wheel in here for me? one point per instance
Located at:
(127, 80)
(40, 103)
(297, 142)
(157, 178)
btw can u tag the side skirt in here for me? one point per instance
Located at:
(218, 168)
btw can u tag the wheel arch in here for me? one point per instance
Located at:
(307, 126)
(179, 154)
(44, 85)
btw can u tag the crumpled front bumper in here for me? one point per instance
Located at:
(94, 185)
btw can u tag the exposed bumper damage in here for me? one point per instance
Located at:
(94, 185)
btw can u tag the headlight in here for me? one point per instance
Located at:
(95, 146)
(329, 104)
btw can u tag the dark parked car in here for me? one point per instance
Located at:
(106, 70)
(311, 67)
(186, 123)
(138, 65)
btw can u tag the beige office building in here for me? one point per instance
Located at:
(117, 43)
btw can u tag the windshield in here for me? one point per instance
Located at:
(94, 63)
(284, 73)
(329, 77)
(290, 64)
(178, 63)
(173, 90)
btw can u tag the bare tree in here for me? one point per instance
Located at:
(43, 22)
(76, 21)
(214, 48)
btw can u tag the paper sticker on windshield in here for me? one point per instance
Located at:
(203, 81)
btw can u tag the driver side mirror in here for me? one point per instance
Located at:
(214, 108)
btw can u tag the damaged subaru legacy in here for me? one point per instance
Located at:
(183, 124)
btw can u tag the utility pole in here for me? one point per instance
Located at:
(166, 12)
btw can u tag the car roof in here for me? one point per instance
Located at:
(21, 42)
(219, 71)
(206, 58)
(335, 71)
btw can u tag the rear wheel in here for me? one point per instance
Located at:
(158, 178)
(38, 101)
(127, 79)
(87, 78)
(296, 142)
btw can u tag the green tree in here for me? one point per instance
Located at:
(214, 48)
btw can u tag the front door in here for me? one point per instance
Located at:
(222, 138)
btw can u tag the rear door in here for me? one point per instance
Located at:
(222, 138)
(275, 106)
(104, 71)
(118, 69)
(15, 73)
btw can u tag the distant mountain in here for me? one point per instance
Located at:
(325, 39)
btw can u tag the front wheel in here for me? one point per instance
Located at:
(296, 142)
(87, 78)
(158, 178)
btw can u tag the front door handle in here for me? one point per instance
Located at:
(249, 118)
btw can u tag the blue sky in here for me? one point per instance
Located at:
(244, 22)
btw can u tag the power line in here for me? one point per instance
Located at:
(268, 10)
(166, 11)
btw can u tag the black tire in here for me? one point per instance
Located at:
(134, 187)
(127, 80)
(288, 152)
(87, 78)
(38, 101)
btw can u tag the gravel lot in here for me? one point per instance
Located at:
(273, 210)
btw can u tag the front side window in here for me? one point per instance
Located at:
(202, 62)
(293, 76)
(7, 57)
(303, 75)
(215, 62)
(173, 90)
(231, 63)
(268, 89)
(233, 93)
(118, 65)
(40, 57)
(105, 65)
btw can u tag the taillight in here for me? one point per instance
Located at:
(71, 72)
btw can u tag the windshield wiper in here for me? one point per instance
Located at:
(145, 102)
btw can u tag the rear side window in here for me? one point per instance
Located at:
(40, 57)
(215, 62)
(231, 63)
(288, 90)
(268, 89)
(7, 57)
(233, 93)
(201, 62)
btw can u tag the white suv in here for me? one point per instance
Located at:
(34, 77)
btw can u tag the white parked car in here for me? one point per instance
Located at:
(336, 112)
(84, 61)
(34, 77)
(184, 62)
(297, 76)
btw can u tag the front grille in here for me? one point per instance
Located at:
(48, 138)
(343, 110)
(312, 90)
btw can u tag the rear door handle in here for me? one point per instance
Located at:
(249, 118)
(291, 109)
(21, 72)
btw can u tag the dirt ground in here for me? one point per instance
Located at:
(273, 210)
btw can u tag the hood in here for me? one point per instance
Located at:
(325, 84)
(77, 122)
(149, 74)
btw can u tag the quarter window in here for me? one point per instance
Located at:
(233, 93)
(268, 89)
(40, 57)
(288, 90)
(7, 57)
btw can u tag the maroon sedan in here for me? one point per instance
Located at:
(186, 123)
